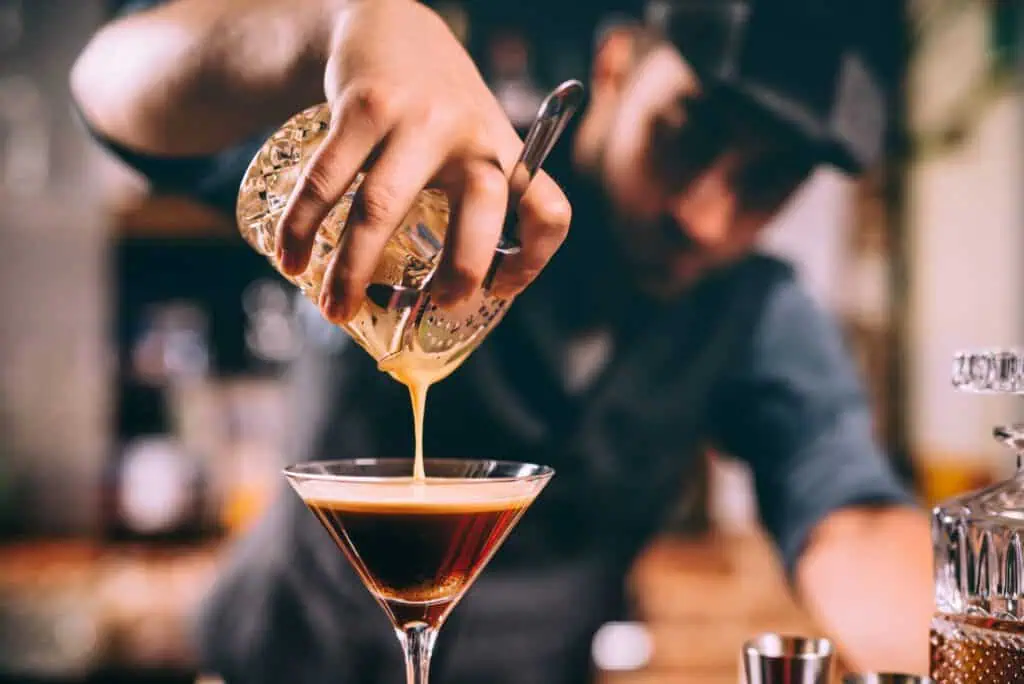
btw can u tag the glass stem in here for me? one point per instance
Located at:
(418, 643)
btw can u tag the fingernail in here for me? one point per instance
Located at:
(336, 312)
(329, 306)
(288, 259)
(502, 289)
(492, 285)
(440, 299)
(438, 296)
(454, 294)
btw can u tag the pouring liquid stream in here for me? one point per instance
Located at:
(418, 395)
(418, 374)
(418, 381)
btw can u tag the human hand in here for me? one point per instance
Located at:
(410, 109)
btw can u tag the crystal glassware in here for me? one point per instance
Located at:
(439, 339)
(977, 634)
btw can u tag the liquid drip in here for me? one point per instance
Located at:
(418, 395)
(418, 380)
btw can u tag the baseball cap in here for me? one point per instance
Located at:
(806, 62)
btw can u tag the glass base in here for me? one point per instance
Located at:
(966, 650)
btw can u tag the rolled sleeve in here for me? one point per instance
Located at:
(212, 180)
(795, 411)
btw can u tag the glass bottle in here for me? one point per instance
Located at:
(977, 634)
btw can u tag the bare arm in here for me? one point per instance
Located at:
(193, 77)
(854, 544)
(866, 577)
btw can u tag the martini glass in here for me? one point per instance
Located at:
(418, 544)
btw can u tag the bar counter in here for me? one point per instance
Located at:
(78, 608)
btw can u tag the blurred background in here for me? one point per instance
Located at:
(137, 407)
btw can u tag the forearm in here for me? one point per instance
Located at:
(195, 76)
(866, 578)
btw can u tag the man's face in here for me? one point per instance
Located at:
(691, 182)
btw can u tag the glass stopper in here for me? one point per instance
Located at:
(997, 371)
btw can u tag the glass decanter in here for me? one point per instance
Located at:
(977, 633)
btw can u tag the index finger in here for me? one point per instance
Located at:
(357, 127)
(544, 215)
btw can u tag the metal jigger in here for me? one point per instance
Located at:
(775, 659)
(886, 678)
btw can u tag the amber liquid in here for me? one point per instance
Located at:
(418, 381)
(418, 557)
(976, 651)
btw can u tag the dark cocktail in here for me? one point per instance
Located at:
(418, 544)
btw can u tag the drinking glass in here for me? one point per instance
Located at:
(418, 545)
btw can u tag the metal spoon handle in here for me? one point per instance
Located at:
(552, 117)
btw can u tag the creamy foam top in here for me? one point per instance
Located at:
(433, 494)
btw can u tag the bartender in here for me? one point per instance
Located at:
(655, 331)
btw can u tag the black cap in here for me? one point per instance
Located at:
(804, 61)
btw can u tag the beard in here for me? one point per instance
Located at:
(594, 280)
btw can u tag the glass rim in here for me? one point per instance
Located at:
(772, 645)
(297, 470)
